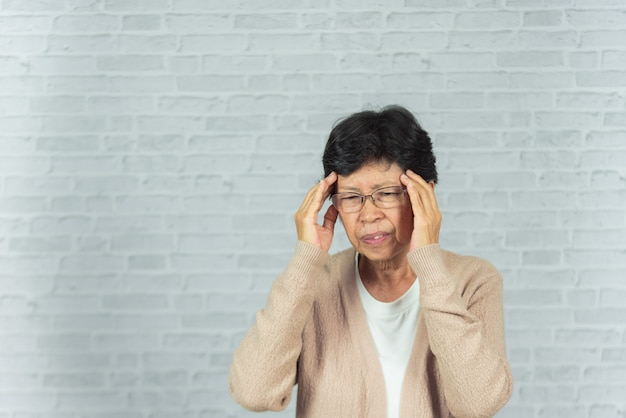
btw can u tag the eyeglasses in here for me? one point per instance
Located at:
(383, 198)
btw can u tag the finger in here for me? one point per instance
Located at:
(413, 190)
(315, 197)
(322, 191)
(326, 184)
(330, 218)
(425, 190)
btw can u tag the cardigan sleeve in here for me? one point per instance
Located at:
(466, 330)
(264, 366)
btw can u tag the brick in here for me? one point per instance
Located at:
(476, 80)
(151, 164)
(602, 199)
(93, 263)
(613, 393)
(226, 282)
(274, 21)
(419, 20)
(74, 380)
(20, 400)
(214, 321)
(601, 79)
(174, 360)
(583, 60)
(612, 298)
(317, 20)
(21, 84)
(211, 43)
(604, 411)
(142, 242)
(86, 23)
(147, 262)
(91, 400)
(600, 238)
(22, 44)
(457, 101)
(119, 223)
(581, 298)
(141, 23)
(40, 245)
(23, 186)
(200, 23)
(345, 41)
(136, 302)
(60, 64)
(532, 297)
(145, 84)
(558, 374)
(538, 239)
(487, 19)
(563, 412)
(74, 124)
(541, 80)
(146, 204)
(605, 374)
(18, 381)
(77, 84)
(604, 316)
(134, 63)
(613, 59)
(435, 4)
(403, 41)
(615, 119)
(595, 257)
(589, 100)
(530, 59)
(136, 5)
(539, 39)
(592, 218)
(614, 355)
(25, 24)
(59, 44)
(586, 337)
(567, 355)
(548, 394)
(543, 18)
(13, 105)
(596, 18)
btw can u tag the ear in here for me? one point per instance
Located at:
(432, 184)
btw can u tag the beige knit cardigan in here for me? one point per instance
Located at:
(313, 332)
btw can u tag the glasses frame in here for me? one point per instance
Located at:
(364, 197)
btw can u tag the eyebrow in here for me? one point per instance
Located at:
(374, 188)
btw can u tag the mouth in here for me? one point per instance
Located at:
(376, 238)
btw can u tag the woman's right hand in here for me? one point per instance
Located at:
(306, 217)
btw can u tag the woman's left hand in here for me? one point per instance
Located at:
(426, 214)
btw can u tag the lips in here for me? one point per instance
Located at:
(375, 238)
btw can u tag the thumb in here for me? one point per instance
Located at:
(330, 218)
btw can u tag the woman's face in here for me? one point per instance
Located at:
(380, 235)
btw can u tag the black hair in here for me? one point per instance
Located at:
(391, 135)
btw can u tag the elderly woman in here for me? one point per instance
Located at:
(393, 327)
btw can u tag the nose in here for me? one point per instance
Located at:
(369, 211)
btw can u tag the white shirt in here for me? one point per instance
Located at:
(393, 326)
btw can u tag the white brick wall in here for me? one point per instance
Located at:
(153, 152)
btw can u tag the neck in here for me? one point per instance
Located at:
(386, 280)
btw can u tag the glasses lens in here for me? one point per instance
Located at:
(347, 202)
(389, 196)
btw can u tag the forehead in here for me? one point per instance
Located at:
(371, 176)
